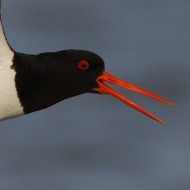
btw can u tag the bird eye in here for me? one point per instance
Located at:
(83, 65)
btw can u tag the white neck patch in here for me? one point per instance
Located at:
(10, 105)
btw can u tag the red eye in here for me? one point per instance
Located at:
(83, 65)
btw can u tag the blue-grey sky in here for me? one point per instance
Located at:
(92, 141)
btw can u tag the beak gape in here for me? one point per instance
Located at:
(105, 89)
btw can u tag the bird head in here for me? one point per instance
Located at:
(90, 76)
(45, 79)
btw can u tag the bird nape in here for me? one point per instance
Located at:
(34, 82)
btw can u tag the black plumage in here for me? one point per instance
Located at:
(45, 79)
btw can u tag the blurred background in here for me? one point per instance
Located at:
(92, 141)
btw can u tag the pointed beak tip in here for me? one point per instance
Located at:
(162, 122)
(171, 104)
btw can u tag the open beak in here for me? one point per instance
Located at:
(105, 89)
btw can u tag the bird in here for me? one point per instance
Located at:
(34, 82)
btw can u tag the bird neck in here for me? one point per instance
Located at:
(39, 81)
(5, 49)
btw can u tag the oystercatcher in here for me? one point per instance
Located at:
(34, 82)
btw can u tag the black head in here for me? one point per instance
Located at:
(79, 70)
(45, 79)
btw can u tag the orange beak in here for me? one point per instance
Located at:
(105, 89)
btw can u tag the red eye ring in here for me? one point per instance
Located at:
(83, 65)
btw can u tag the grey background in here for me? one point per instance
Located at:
(96, 142)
